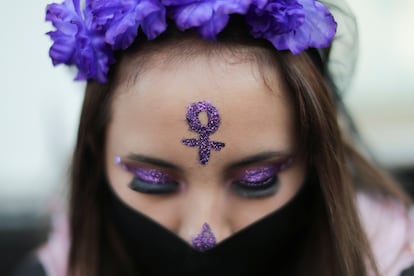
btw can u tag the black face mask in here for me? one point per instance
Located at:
(274, 243)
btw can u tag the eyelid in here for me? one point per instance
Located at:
(261, 172)
(260, 181)
(152, 176)
(149, 175)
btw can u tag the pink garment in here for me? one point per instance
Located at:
(390, 230)
(388, 224)
(54, 254)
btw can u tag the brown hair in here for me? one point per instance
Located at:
(340, 247)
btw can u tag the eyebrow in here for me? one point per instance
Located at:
(153, 161)
(260, 157)
(263, 156)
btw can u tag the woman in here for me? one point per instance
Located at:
(212, 144)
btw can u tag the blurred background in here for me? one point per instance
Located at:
(39, 110)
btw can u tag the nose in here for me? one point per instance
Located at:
(205, 240)
(203, 214)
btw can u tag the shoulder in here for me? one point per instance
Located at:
(30, 267)
(389, 225)
(53, 255)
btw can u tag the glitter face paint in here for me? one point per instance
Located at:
(259, 182)
(258, 176)
(147, 180)
(205, 240)
(254, 177)
(213, 123)
(148, 175)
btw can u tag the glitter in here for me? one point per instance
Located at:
(148, 175)
(262, 175)
(118, 160)
(204, 143)
(254, 176)
(151, 176)
(205, 240)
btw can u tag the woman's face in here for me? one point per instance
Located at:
(153, 171)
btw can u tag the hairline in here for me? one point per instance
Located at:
(133, 64)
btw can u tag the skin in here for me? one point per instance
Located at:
(148, 118)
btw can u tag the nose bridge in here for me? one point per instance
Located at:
(204, 204)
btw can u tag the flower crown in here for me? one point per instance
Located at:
(87, 38)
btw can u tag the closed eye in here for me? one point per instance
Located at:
(148, 180)
(259, 182)
(265, 188)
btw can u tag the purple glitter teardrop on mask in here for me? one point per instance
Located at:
(213, 123)
(205, 240)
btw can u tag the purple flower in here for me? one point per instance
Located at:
(293, 25)
(75, 43)
(121, 19)
(208, 16)
(88, 38)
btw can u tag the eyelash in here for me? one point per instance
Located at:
(259, 182)
(145, 187)
(265, 188)
(254, 183)
(149, 181)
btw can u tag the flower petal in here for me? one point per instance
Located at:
(74, 43)
(231, 7)
(153, 18)
(293, 25)
(319, 23)
(208, 16)
(67, 21)
(192, 15)
(121, 20)
(62, 49)
(214, 26)
(154, 24)
(88, 38)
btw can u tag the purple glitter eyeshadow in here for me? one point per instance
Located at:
(151, 176)
(205, 240)
(258, 175)
(204, 143)
(147, 175)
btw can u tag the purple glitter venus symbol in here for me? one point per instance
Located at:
(213, 123)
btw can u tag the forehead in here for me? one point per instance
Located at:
(149, 113)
